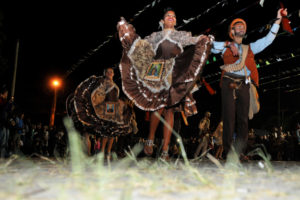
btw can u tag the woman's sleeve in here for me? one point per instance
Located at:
(188, 39)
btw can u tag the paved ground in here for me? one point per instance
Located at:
(147, 179)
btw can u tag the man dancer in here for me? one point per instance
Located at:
(204, 136)
(235, 84)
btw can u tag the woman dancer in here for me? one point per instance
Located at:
(96, 109)
(158, 73)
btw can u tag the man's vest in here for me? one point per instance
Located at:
(228, 58)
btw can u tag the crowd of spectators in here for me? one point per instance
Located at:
(19, 135)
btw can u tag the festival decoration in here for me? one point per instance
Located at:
(109, 38)
(210, 90)
(285, 21)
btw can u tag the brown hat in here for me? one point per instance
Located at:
(237, 20)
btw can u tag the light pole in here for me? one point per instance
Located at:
(55, 84)
(15, 71)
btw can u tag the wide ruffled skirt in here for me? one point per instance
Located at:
(176, 82)
(106, 119)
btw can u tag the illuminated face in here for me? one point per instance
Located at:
(109, 73)
(239, 29)
(169, 19)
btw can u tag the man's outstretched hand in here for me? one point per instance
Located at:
(281, 13)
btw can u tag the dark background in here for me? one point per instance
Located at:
(58, 39)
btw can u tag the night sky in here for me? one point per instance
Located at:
(54, 37)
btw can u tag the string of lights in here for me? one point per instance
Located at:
(267, 26)
(108, 39)
(261, 63)
(187, 21)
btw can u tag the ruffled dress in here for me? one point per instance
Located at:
(160, 70)
(95, 108)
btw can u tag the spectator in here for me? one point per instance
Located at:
(298, 133)
(5, 110)
(218, 138)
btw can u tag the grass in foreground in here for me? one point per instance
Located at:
(81, 177)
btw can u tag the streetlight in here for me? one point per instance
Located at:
(55, 83)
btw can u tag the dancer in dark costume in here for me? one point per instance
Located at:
(158, 72)
(237, 74)
(96, 109)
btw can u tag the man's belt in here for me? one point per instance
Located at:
(235, 78)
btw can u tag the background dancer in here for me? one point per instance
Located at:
(96, 109)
